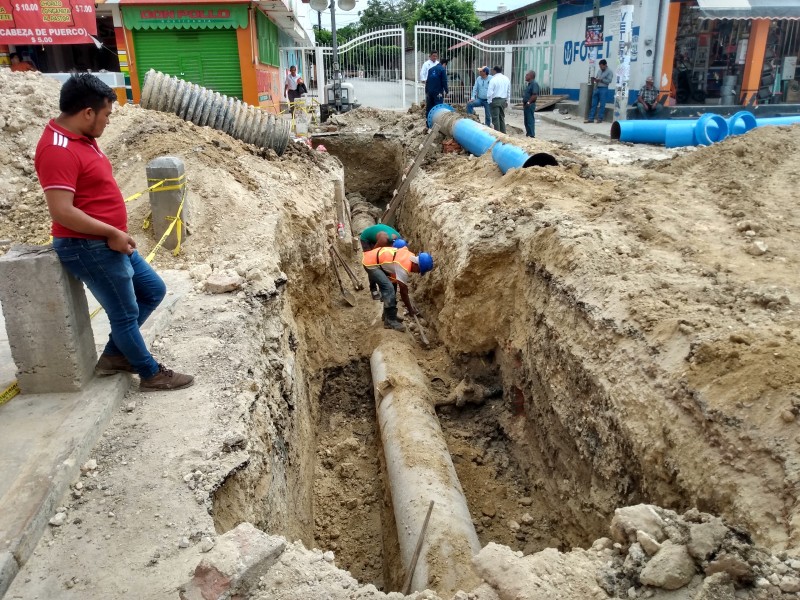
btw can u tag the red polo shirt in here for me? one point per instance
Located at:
(68, 161)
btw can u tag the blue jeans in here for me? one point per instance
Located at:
(487, 110)
(128, 289)
(599, 99)
(530, 120)
(378, 277)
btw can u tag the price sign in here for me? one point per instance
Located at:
(47, 22)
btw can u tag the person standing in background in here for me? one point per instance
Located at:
(18, 65)
(290, 87)
(428, 65)
(529, 103)
(600, 95)
(498, 95)
(436, 86)
(479, 95)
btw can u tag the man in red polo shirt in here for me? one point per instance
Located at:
(90, 225)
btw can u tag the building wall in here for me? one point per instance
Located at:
(572, 55)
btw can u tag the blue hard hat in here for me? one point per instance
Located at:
(399, 243)
(425, 262)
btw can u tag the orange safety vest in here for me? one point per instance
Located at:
(382, 256)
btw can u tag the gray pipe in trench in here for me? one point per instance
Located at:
(420, 469)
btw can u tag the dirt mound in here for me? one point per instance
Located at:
(27, 102)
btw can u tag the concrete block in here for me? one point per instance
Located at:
(47, 321)
(234, 564)
(165, 200)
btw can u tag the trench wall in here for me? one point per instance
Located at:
(273, 488)
(608, 422)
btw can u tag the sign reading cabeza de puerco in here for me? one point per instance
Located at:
(47, 22)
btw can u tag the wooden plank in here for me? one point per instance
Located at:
(543, 102)
(397, 196)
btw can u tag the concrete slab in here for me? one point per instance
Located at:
(44, 439)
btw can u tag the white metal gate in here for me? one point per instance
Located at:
(467, 54)
(372, 62)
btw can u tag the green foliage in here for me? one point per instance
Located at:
(455, 14)
(343, 34)
(388, 13)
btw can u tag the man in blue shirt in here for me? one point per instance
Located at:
(479, 95)
(601, 82)
(529, 103)
(436, 85)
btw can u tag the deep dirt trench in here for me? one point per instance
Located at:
(342, 502)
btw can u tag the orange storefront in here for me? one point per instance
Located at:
(229, 47)
(745, 52)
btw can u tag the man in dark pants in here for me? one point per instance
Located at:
(529, 103)
(436, 86)
(390, 267)
(90, 225)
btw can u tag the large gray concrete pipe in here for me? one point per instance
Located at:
(420, 469)
(205, 107)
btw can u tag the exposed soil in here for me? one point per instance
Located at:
(632, 323)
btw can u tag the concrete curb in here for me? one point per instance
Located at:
(549, 118)
(45, 440)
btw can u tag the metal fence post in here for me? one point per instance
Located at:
(416, 67)
(403, 64)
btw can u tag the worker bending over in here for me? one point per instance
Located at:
(389, 267)
(370, 236)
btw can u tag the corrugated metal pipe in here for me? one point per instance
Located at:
(202, 106)
(478, 139)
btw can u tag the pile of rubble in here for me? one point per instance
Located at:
(652, 553)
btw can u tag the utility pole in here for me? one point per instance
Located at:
(337, 75)
(624, 68)
(592, 57)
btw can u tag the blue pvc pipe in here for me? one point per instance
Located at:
(710, 129)
(706, 130)
(438, 108)
(508, 157)
(473, 137)
(778, 121)
(741, 122)
(641, 132)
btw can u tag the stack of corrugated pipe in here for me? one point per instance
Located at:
(707, 130)
(478, 139)
(202, 106)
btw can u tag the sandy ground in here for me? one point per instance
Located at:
(625, 304)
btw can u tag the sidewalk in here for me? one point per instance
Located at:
(599, 130)
(45, 438)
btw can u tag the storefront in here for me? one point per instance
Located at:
(736, 52)
(60, 37)
(231, 48)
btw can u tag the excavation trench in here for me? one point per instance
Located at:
(540, 456)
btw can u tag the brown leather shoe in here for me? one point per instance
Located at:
(111, 365)
(166, 380)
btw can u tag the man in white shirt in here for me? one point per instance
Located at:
(498, 95)
(427, 65)
(290, 87)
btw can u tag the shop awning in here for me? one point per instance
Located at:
(748, 9)
(487, 33)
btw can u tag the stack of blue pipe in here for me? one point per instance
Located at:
(706, 130)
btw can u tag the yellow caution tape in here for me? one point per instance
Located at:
(176, 220)
(9, 393)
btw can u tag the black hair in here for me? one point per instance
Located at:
(603, 61)
(83, 91)
(433, 52)
(497, 69)
(13, 54)
(444, 61)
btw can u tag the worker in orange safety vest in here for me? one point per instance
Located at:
(389, 267)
